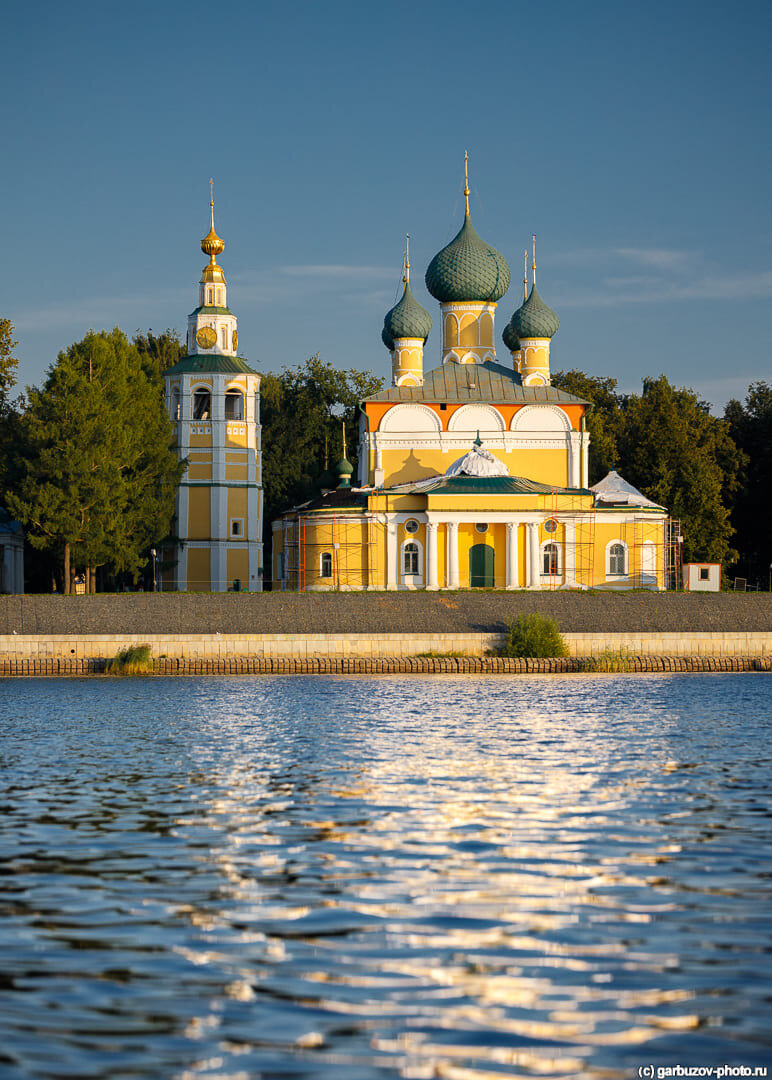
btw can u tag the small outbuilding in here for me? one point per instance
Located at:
(702, 577)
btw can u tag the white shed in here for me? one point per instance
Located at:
(702, 576)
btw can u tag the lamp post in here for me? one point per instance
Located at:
(155, 583)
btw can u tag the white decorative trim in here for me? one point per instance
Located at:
(529, 410)
(607, 561)
(409, 581)
(457, 419)
(402, 407)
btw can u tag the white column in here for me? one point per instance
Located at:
(575, 451)
(431, 555)
(513, 569)
(219, 566)
(392, 557)
(533, 555)
(451, 542)
(569, 555)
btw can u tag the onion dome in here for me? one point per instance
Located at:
(510, 338)
(344, 469)
(407, 319)
(534, 318)
(467, 269)
(387, 340)
(212, 245)
(478, 462)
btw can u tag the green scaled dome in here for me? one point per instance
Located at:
(510, 338)
(467, 269)
(534, 318)
(386, 340)
(407, 319)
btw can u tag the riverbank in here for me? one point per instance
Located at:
(418, 665)
(478, 611)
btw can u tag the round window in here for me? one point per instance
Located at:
(551, 526)
(482, 526)
(411, 526)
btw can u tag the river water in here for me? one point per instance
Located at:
(371, 877)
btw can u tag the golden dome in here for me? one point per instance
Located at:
(212, 245)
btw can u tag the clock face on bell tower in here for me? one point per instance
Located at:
(206, 337)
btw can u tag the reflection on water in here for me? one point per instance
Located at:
(452, 877)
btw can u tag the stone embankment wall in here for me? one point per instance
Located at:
(275, 632)
(415, 665)
(378, 613)
(225, 647)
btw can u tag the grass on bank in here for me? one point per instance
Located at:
(132, 661)
(608, 660)
(534, 635)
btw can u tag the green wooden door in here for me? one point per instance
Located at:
(481, 560)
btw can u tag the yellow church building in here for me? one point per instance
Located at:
(213, 396)
(473, 474)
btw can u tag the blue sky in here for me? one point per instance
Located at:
(632, 138)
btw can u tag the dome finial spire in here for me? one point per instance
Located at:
(533, 264)
(466, 180)
(525, 274)
(406, 278)
(212, 245)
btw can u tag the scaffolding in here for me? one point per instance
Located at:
(349, 542)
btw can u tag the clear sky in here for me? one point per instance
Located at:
(633, 138)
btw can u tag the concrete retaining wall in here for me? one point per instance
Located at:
(224, 647)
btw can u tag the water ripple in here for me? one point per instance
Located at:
(462, 878)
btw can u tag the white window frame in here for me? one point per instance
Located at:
(203, 390)
(239, 522)
(649, 573)
(411, 579)
(612, 575)
(322, 555)
(232, 394)
(557, 576)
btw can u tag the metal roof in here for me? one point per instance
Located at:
(462, 383)
(215, 364)
(489, 485)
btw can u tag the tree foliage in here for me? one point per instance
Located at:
(158, 352)
(300, 408)
(97, 470)
(750, 425)
(8, 364)
(666, 442)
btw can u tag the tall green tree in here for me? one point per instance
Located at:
(677, 453)
(300, 409)
(158, 352)
(99, 471)
(8, 364)
(750, 424)
(604, 420)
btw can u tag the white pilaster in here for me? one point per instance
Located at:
(569, 555)
(513, 569)
(533, 555)
(392, 556)
(431, 555)
(452, 548)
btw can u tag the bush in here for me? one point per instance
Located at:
(132, 661)
(534, 635)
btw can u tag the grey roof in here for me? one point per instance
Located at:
(477, 382)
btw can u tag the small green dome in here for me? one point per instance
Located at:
(534, 318)
(344, 469)
(407, 319)
(510, 338)
(467, 269)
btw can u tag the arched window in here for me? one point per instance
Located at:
(219, 297)
(550, 560)
(224, 336)
(410, 560)
(617, 560)
(325, 564)
(234, 405)
(174, 410)
(648, 562)
(202, 405)
(210, 297)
